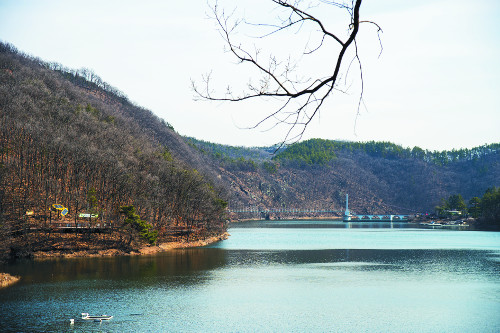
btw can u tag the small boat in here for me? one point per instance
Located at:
(86, 316)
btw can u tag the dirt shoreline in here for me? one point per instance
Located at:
(7, 280)
(146, 250)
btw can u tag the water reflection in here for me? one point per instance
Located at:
(179, 264)
(459, 264)
(338, 224)
(312, 235)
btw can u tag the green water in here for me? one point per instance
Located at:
(283, 276)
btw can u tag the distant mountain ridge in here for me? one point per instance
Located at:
(380, 177)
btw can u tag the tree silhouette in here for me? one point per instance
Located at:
(300, 99)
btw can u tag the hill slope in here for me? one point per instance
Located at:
(380, 177)
(67, 138)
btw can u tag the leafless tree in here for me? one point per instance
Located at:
(67, 140)
(300, 99)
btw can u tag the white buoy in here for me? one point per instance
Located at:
(71, 321)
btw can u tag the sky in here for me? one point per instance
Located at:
(435, 85)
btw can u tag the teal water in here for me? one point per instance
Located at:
(283, 276)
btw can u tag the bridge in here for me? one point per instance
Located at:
(259, 212)
(375, 218)
(282, 210)
(347, 215)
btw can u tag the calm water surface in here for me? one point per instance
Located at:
(283, 276)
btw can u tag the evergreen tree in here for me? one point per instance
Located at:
(474, 208)
(456, 202)
(144, 229)
(490, 207)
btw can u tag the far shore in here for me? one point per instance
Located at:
(305, 218)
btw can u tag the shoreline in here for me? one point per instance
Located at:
(324, 218)
(145, 250)
(163, 247)
(7, 280)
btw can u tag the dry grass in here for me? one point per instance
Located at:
(7, 279)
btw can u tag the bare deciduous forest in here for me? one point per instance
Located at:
(68, 139)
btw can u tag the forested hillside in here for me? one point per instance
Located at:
(380, 177)
(67, 138)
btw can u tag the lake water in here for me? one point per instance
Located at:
(286, 276)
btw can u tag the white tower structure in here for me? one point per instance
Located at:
(347, 215)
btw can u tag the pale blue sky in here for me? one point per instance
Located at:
(435, 85)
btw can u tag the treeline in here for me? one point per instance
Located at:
(319, 151)
(61, 144)
(313, 151)
(82, 77)
(489, 207)
(224, 152)
(486, 208)
(379, 176)
(237, 158)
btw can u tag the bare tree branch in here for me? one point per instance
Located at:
(308, 95)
